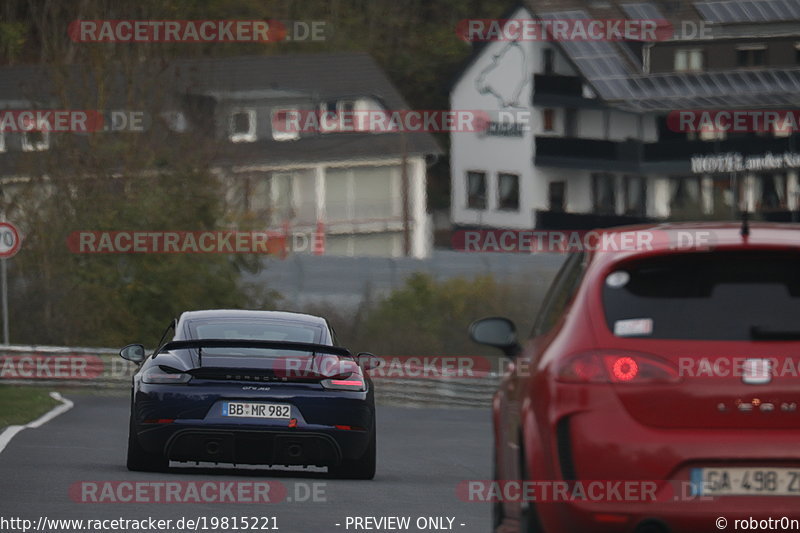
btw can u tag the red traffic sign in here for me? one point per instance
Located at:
(9, 240)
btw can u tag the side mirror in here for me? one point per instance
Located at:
(133, 352)
(498, 332)
(368, 361)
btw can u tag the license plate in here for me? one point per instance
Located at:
(746, 481)
(256, 410)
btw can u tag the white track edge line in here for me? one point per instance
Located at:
(10, 431)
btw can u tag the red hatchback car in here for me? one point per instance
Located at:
(659, 389)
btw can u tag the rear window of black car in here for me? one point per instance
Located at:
(752, 295)
(255, 329)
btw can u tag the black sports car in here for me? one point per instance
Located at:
(252, 387)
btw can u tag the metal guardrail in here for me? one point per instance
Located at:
(102, 368)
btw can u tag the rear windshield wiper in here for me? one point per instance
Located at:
(771, 334)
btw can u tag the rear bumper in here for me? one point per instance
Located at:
(602, 442)
(247, 445)
(254, 447)
(189, 423)
(701, 515)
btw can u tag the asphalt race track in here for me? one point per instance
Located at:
(422, 456)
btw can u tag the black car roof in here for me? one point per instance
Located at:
(243, 313)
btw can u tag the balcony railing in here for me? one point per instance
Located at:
(557, 85)
(587, 148)
(683, 149)
(632, 151)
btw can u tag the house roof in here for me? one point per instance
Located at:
(315, 76)
(612, 70)
(320, 76)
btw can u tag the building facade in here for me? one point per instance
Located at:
(365, 191)
(583, 133)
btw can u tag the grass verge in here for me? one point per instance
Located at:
(21, 404)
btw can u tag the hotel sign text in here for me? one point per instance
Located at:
(736, 162)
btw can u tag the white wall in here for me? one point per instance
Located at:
(355, 227)
(500, 82)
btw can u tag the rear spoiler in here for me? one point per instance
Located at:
(273, 345)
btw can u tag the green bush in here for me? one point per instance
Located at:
(429, 317)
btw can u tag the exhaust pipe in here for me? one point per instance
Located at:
(294, 450)
(213, 447)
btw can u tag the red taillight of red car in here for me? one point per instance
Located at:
(617, 367)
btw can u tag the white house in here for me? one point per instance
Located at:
(580, 134)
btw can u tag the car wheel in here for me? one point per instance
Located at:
(140, 460)
(528, 517)
(361, 468)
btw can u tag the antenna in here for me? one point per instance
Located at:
(745, 231)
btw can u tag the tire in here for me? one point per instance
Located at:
(498, 510)
(140, 460)
(361, 468)
(528, 517)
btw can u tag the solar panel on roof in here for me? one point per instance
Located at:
(595, 59)
(603, 65)
(728, 11)
(642, 11)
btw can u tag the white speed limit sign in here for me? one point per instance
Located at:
(9, 240)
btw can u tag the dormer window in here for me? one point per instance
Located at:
(689, 60)
(338, 116)
(242, 126)
(751, 55)
(285, 122)
(354, 114)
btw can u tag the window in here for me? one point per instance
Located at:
(751, 55)
(635, 195)
(363, 193)
(548, 55)
(560, 293)
(548, 119)
(772, 189)
(724, 198)
(685, 200)
(707, 133)
(242, 126)
(711, 134)
(35, 141)
(346, 106)
(508, 191)
(689, 60)
(782, 129)
(377, 193)
(338, 116)
(476, 190)
(604, 194)
(721, 295)
(570, 122)
(283, 123)
(282, 197)
(557, 196)
(264, 330)
(354, 114)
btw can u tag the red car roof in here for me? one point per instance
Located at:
(624, 242)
